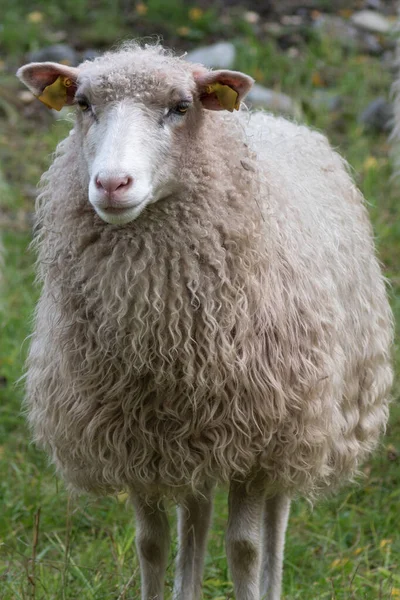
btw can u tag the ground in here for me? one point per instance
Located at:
(55, 547)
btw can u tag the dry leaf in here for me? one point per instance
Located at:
(35, 17)
(317, 79)
(141, 9)
(183, 31)
(370, 163)
(195, 13)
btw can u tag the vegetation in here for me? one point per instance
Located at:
(55, 547)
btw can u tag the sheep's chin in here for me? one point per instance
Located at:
(122, 217)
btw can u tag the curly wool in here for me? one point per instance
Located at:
(239, 326)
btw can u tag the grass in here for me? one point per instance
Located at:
(54, 547)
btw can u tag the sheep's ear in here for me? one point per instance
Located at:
(53, 84)
(222, 90)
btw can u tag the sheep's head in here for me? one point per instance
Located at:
(137, 111)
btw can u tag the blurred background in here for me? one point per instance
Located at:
(329, 64)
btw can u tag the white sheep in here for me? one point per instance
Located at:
(212, 310)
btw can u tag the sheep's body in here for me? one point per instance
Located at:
(242, 326)
(238, 329)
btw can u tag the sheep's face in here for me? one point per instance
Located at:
(137, 112)
(132, 153)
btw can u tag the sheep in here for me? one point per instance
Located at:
(212, 311)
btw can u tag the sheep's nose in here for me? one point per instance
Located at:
(112, 185)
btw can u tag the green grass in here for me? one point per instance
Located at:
(55, 547)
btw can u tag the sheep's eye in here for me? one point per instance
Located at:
(83, 104)
(181, 108)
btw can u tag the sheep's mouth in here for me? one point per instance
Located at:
(116, 210)
(120, 215)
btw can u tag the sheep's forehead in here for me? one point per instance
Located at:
(140, 75)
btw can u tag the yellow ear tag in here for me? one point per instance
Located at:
(55, 95)
(227, 96)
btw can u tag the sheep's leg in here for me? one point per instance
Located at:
(243, 539)
(276, 514)
(194, 517)
(152, 543)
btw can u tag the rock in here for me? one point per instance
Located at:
(389, 60)
(221, 55)
(370, 43)
(261, 97)
(90, 54)
(348, 35)
(26, 96)
(378, 115)
(371, 21)
(251, 17)
(293, 52)
(56, 53)
(273, 29)
(325, 100)
(336, 28)
(55, 37)
(290, 39)
(284, 7)
(292, 20)
(373, 4)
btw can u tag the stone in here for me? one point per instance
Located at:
(221, 55)
(90, 54)
(251, 17)
(370, 43)
(273, 29)
(55, 37)
(26, 96)
(349, 36)
(371, 20)
(373, 4)
(389, 60)
(292, 20)
(262, 97)
(378, 115)
(61, 53)
(337, 28)
(326, 100)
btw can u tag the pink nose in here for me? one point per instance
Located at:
(113, 185)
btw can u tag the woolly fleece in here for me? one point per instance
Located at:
(238, 326)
